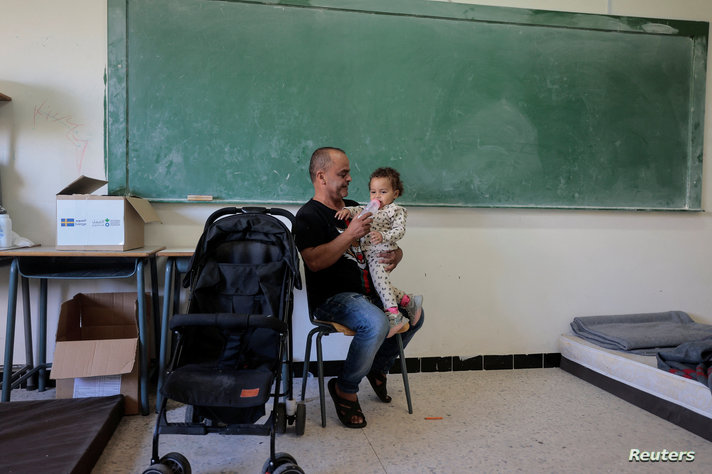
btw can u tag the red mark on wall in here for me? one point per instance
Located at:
(73, 131)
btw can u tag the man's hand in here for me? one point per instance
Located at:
(391, 258)
(359, 226)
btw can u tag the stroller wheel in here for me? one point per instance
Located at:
(301, 418)
(177, 463)
(280, 459)
(288, 468)
(158, 469)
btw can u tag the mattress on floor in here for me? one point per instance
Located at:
(638, 372)
(66, 435)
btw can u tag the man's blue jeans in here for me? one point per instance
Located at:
(369, 348)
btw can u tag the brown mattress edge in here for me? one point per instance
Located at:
(67, 435)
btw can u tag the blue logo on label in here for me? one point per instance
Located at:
(67, 222)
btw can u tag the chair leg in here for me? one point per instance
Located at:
(405, 373)
(307, 357)
(320, 363)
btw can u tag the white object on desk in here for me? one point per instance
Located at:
(17, 242)
(5, 230)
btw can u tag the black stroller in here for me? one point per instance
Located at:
(233, 348)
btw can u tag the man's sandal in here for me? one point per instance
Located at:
(346, 410)
(378, 383)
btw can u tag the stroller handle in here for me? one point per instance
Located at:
(232, 321)
(225, 211)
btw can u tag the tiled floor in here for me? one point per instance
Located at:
(536, 420)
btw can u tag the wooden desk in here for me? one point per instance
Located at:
(46, 263)
(177, 263)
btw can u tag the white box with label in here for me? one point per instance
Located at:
(90, 222)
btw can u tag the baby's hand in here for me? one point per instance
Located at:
(376, 237)
(343, 214)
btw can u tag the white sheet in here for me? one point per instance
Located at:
(640, 372)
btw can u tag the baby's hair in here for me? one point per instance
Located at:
(392, 175)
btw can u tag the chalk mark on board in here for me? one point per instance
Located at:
(74, 131)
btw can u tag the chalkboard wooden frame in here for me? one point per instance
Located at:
(510, 150)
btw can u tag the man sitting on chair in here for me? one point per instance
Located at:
(339, 286)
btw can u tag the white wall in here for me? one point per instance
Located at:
(496, 281)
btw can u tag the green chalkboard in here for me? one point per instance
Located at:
(476, 106)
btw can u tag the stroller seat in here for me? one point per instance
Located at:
(209, 385)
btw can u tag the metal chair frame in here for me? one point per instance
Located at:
(324, 328)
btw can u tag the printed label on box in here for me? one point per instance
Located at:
(81, 222)
(101, 386)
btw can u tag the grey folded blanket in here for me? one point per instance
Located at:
(643, 334)
(692, 360)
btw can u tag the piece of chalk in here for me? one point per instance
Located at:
(199, 197)
(433, 417)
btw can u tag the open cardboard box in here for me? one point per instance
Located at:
(90, 222)
(96, 352)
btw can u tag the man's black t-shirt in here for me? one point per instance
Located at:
(316, 225)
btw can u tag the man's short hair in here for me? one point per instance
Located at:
(321, 160)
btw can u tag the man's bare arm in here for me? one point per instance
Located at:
(325, 255)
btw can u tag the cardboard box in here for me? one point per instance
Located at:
(89, 222)
(97, 350)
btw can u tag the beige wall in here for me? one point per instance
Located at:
(496, 281)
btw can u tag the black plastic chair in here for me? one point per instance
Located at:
(324, 328)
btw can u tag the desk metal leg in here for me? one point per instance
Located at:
(42, 341)
(176, 285)
(10, 332)
(29, 360)
(143, 346)
(154, 302)
(163, 346)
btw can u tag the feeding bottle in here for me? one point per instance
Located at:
(371, 207)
